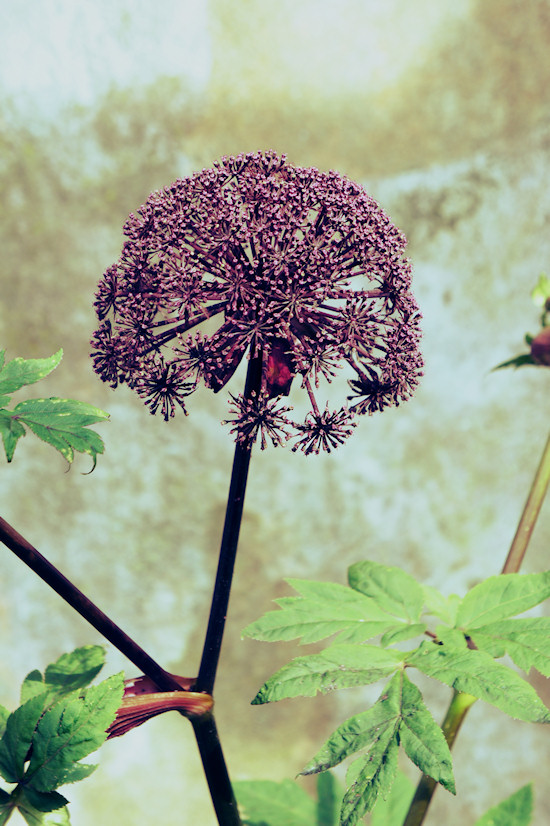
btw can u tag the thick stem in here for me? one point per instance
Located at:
(453, 720)
(86, 608)
(460, 703)
(215, 770)
(228, 549)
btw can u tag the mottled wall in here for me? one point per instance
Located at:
(441, 111)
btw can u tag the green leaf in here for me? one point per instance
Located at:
(516, 810)
(7, 805)
(370, 777)
(440, 606)
(323, 609)
(338, 666)
(400, 711)
(329, 800)
(69, 673)
(17, 738)
(526, 640)
(44, 801)
(477, 673)
(35, 817)
(402, 632)
(517, 361)
(392, 589)
(4, 714)
(393, 810)
(422, 739)
(69, 731)
(541, 292)
(502, 596)
(268, 803)
(63, 424)
(11, 431)
(18, 372)
(362, 731)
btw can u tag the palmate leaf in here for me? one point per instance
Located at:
(399, 713)
(324, 609)
(516, 810)
(526, 640)
(502, 596)
(62, 423)
(477, 673)
(17, 738)
(338, 666)
(394, 590)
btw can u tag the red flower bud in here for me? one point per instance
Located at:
(540, 347)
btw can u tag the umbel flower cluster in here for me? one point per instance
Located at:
(298, 269)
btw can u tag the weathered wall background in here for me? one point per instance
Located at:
(442, 111)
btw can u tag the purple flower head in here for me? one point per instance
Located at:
(296, 268)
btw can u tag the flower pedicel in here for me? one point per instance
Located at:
(302, 270)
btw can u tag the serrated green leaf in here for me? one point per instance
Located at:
(502, 596)
(11, 431)
(329, 800)
(394, 590)
(19, 372)
(69, 673)
(17, 738)
(34, 817)
(69, 731)
(338, 666)
(477, 673)
(44, 801)
(422, 739)
(63, 424)
(372, 776)
(323, 609)
(362, 731)
(526, 640)
(393, 810)
(516, 810)
(269, 803)
(4, 714)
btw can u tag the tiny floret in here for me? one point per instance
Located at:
(298, 269)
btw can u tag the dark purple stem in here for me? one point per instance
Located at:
(228, 549)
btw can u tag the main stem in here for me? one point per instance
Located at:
(228, 549)
(460, 703)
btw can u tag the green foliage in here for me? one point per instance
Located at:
(516, 810)
(459, 651)
(61, 719)
(271, 803)
(62, 423)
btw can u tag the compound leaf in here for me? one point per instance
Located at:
(338, 666)
(477, 673)
(502, 596)
(393, 589)
(63, 424)
(516, 810)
